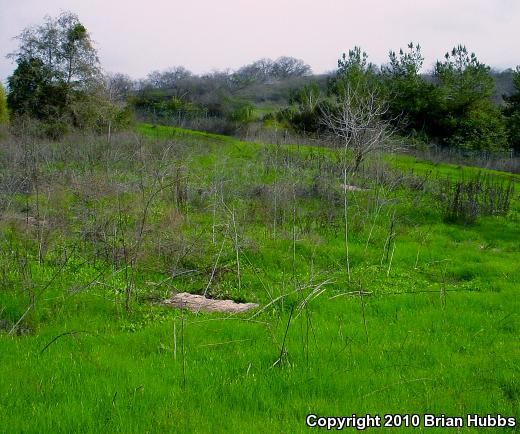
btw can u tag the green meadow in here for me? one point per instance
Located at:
(422, 316)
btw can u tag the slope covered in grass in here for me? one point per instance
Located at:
(93, 235)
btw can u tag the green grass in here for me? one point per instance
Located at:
(439, 332)
(406, 162)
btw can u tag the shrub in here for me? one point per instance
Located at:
(55, 129)
(3, 106)
(465, 201)
(242, 112)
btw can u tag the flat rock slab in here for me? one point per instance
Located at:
(194, 302)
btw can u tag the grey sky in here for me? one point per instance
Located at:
(136, 37)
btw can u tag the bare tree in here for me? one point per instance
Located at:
(176, 81)
(357, 119)
(259, 71)
(118, 86)
(286, 67)
(267, 70)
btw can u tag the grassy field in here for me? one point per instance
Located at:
(93, 235)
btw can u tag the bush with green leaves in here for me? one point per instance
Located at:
(94, 111)
(242, 112)
(4, 115)
(304, 115)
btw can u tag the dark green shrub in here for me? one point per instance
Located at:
(512, 112)
(462, 113)
(54, 129)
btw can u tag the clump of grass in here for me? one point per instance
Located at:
(481, 195)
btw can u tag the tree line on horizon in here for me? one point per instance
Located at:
(59, 84)
(453, 106)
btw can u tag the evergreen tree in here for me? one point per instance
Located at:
(512, 112)
(33, 92)
(409, 95)
(354, 71)
(464, 115)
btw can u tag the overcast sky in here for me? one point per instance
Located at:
(136, 37)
